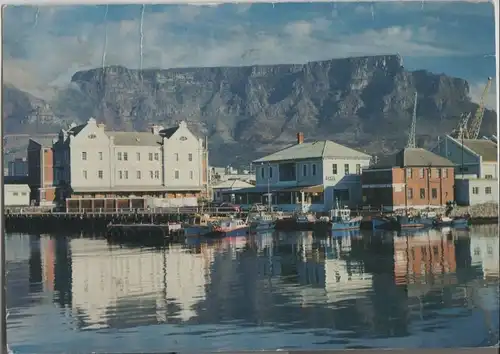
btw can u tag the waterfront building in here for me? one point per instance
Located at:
(18, 167)
(314, 175)
(224, 191)
(16, 195)
(476, 168)
(40, 158)
(411, 178)
(100, 169)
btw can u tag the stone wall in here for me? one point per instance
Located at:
(486, 210)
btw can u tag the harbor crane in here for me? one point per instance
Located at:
(472, 132)
(413, 128)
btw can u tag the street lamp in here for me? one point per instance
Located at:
(268, 185)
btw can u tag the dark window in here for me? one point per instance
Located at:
(358, 169)
(409, 173)
(434, 193)
(422, 193)
(304, 170)
(334, 169)
(270, 172)
(346, 168)
(487, 190)
(314, 169)
(262, 173)
(287, 172)
(410, 193)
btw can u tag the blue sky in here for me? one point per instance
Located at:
(44, 46)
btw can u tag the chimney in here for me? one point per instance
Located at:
(300, 138)
(155, 129)
(101, 125)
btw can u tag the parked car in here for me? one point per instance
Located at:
(229, 207)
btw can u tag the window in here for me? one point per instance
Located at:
(358, 169)
(84, 173)
(314, 169)
(304, 170)
(150, 156)
(100, 155)
(125, 156)
(120, 174)
(157, 174)
(422, 193)
(438, 173)
(409, 173)
(151, 174)
(488, 176)
(346, 169)
(126, 174)
(157, 156)
(475, 190)
(262, 173)
(176, 174)
(176, 156)
(24, 193)
(100, 174)
(334, 169)
(119, 156)
(15, 194)
(84, 156)
(138, 174)
(410, 193)
(421, 173)
(434, 193)
(191, 175)
(444, 173)
(190, 157)
(138, 156)
(487, 190)
(270, 172)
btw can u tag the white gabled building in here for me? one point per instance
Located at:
(313, 175)
(107, 169)
(476, 168)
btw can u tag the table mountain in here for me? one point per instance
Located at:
(364, 102)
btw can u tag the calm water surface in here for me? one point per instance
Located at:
(270, 291)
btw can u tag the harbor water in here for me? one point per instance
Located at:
(295, 290)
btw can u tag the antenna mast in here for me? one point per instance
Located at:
(411, 138)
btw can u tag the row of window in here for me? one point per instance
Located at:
(475, 190)
(313, 170)
(123, 156)
(124, 174)
(432, 172)
(434, 193)
(346, 169)
(15, 194)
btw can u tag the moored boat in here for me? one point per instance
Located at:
(341, 220)
(446, 221)
(262, 222)
(228, 228)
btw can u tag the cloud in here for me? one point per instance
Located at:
(63, 40)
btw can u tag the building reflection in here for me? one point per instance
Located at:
(126, 287)
(372, 285)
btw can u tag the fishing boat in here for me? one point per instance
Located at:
(298, 222)
(200, 225)
(262, 222)
(410, 222)
(228, 228)
(341, 219)
(446, 221)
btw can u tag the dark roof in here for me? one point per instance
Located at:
(167, 133)
(485, 148)
(77, 129)
(413, 157)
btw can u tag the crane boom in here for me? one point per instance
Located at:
(413, 128)
(475, 125)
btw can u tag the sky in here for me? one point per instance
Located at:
(45, 46)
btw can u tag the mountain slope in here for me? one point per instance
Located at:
(363, 102)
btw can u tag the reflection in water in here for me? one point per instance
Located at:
(427, 289)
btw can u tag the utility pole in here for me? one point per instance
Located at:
(3, 281)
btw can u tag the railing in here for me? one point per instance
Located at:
(123, 211)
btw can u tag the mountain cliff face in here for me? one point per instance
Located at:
(364, 102)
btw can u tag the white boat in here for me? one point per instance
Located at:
(228, 228)
(305, 218)
(341, 219)
(262, 222)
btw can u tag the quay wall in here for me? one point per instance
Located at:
(478, 211)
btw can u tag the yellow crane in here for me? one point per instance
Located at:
(472, 132)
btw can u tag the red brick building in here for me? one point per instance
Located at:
(41, 171)
(411, 178)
